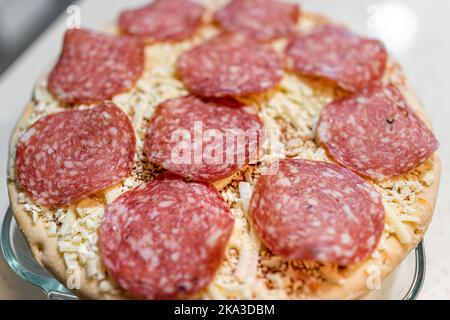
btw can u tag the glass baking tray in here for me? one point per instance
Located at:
(404, 283)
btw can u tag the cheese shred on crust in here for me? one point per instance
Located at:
(248, 270)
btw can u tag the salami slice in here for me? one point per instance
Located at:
(202, 141)
(165, 239)
(94, 67)
(261, 20)
(313, 210)
(229, 66)
(163, 20)
(71, 154)
(337, 54)
(375, 133)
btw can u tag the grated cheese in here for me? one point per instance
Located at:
(113, 193)
(245, 192)
(399, 228)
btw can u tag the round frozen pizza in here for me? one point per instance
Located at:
(293, 162)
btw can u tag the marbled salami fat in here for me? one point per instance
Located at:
(71, 154)
(375, 133)
(261, 20)
(163, 20)
(314, 210)
(203, 141)
(165, 239)
(94, 67)
(337, 54)
(229, 66)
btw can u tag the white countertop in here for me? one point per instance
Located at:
(415, 31)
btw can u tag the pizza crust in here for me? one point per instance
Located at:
(350, 283)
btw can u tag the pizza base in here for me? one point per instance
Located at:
(352, 282)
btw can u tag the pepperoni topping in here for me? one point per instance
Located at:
(314, 210)
(202, 141)
(165, 239)
(337, 54)
(376, 133)
(94, 67)
(260, 20)
(163, 20)
(229, 66)
(68, 155)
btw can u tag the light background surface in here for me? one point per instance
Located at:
(415, 31)
(21, 21)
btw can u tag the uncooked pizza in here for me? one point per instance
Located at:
(241, 149)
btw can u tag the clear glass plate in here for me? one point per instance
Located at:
(404, 283)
